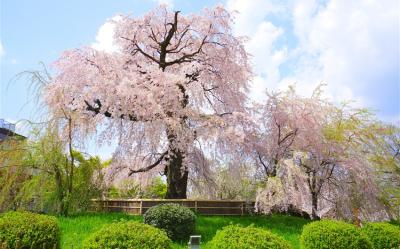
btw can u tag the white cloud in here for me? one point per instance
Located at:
(266, 59)
(169, 3)
(250, 21)
(251, 13)
(105, 36)
(14, 61)
(351, 45)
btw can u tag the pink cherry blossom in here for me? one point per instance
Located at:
(175, 79)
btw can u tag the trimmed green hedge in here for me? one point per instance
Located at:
(382, 235)
(237, 237)
(177, 221)
(31, 230)
(128, 235)
(328, 234)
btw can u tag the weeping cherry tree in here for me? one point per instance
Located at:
(173, 82)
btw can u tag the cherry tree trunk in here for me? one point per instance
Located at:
(177, 177)
(314, 200)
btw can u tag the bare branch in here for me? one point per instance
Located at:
(151, 166)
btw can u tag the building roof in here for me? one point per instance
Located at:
(6, 133)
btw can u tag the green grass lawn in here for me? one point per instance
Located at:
(74, 229)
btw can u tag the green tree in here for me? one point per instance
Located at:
(12, 174)
(41, 176)
(385, 156)
(156, 189)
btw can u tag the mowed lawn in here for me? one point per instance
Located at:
(75, 229)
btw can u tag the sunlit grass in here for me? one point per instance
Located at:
(76, 228)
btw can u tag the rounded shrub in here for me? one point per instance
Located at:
(177, 221)
(237, 237)
(128, 235)
(29, 230)
(382, 235)
(333, 234)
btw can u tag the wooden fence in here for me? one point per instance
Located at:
(205, 207)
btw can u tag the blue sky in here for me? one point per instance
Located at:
(353, 46)
(38, 31)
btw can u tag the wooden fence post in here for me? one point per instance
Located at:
(141, 206)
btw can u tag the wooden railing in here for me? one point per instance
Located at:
(205, 207)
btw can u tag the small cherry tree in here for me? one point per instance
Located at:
(284, 122)
(277, 125)
(336, 161)
(172, 83)
(316, 149)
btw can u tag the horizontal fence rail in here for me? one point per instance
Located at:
(205, 207)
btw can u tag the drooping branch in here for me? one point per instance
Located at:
(262, 162)
(151, 166)
(98, 110)
(328, 176)
(290, 134)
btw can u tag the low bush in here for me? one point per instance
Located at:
(333, 234)
(382, 235)
(237, 237)
(177, 221)
(31, 230)
(128, 235)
